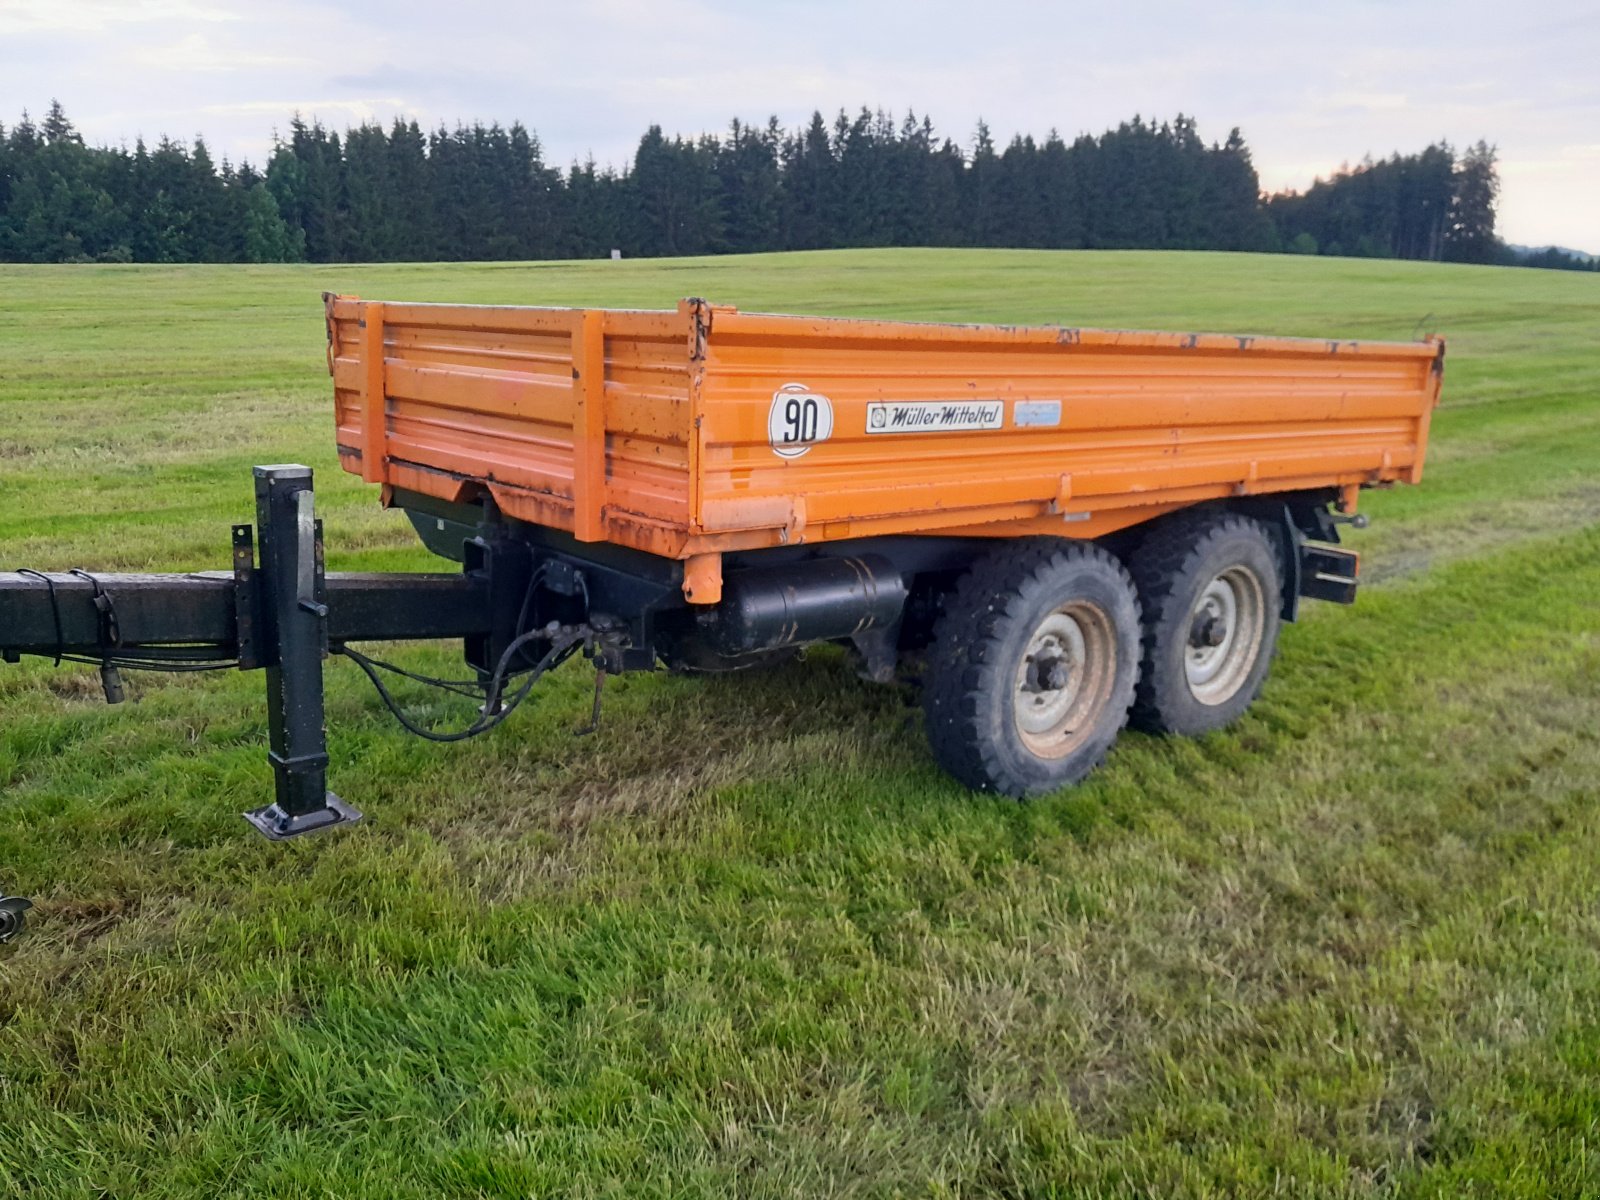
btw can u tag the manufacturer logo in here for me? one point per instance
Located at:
(798, 419)
(934, 416)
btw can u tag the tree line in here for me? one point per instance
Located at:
(486, 192)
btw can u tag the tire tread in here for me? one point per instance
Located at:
(1164, 561)
(997, 589)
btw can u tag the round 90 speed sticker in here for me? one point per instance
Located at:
(798, 419)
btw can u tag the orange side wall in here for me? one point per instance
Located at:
(1148, 421)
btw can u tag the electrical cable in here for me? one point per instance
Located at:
(494, 712)
(55, 607)
(170, 660)
(473, 689)
(563, 641)
(104, 605)
(162, 666)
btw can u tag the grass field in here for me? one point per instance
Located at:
(747, 939)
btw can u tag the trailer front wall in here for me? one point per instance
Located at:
(466, 398)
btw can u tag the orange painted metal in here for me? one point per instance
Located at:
(374, 419)
(662, 430)
(589, 426)
(702, 578)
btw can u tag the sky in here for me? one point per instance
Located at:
(1312, 85)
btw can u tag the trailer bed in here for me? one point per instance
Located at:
(705, 429)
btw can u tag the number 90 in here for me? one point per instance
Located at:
(798, 420)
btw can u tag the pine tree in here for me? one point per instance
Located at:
(365, 200)
(57, 130)
(206, 198)
(680, 210)
(538, 218)
(266, 238)
(409, 230)
(746, 164)
(983, 199)
(1469, 232)
(810, 187)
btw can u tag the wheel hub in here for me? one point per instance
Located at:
(1048, 673)
(1207, 630)
(1226, 627)
(1065, 669)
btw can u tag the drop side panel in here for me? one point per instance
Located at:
(1088, 422)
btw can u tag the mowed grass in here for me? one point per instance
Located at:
(747, 940)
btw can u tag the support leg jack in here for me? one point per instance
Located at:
(276, 823)
(293, 632)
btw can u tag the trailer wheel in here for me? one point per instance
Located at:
(1032, 667)
(1211, 591)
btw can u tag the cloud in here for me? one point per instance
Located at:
(387, 75)
(357, 110)
(196, 52)
(1362, 102)
(100, 16)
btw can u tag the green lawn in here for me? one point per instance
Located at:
(747, 939)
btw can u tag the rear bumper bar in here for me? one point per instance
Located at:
(1329, 574)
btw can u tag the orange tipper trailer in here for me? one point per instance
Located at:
(1068, 524)
(1064, 528)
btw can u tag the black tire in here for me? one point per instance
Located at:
(1202, 668)
(1073, 606)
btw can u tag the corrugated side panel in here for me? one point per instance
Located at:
(1144, 419)
(480, 395)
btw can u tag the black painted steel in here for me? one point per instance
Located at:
(1329, 574)
(216, 609)
(292, 640)
(812, 601)
(152, 610)
(13, 916)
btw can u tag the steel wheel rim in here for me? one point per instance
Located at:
(1064, 678)
(1226, 627)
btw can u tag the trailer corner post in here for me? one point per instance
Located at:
(291, 640)
(374, 403)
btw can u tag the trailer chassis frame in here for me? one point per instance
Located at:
(280, 612)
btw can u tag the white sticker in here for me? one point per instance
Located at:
(798, 419)
(934, 416)
(1036, 412)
